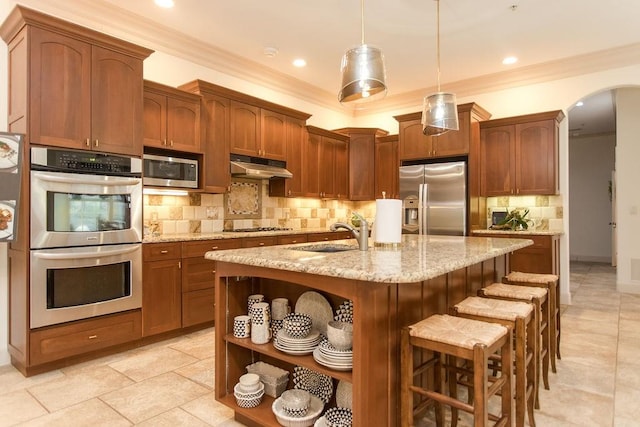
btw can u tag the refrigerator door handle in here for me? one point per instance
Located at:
(420, 209)
(423, 208)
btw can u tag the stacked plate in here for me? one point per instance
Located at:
(297, 346)
(339, 360)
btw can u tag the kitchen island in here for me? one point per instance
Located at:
(389, 290)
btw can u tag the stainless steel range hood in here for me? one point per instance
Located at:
(257, 168)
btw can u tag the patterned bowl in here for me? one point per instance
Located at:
(297, 325)
(338, 417)
(295, 403)
(249, 402)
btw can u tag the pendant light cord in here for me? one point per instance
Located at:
(362, 20)
(437, 40)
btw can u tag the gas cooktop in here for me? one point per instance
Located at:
(249, 230)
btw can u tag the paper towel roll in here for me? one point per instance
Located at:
(388, 222)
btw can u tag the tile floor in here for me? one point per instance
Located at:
(171, 383)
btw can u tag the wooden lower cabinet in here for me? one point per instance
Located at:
(161, 288)
(329, 235)
(198, 306)
(58, 342)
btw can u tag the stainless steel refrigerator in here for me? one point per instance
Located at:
(434, 198)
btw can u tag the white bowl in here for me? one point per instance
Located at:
(340, 335)
(249, 382)
(295, 402)
(238, 392)
(313, 413)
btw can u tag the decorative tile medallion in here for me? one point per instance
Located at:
(243, 200)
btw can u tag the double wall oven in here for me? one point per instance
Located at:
(86, 233)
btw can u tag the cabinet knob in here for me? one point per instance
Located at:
(164, 141)
(294, 241)
(289, 192)
(93, 337)
(213, 272)
(164, 252)
(87, 143)
(261, 243)
(97, 143)
(171, 143)
(213, 248)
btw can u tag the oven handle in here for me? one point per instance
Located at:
(76, 255)
(77, 179)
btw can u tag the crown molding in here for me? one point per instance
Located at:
(102, 16)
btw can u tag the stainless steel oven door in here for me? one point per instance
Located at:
(79, 283)
(69, 209)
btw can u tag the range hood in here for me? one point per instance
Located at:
(258, 168)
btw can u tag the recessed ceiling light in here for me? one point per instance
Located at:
(299, 62)
(270, 52)
(579, 104)
(510, 60)
(167, 4)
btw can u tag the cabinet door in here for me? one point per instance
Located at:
(413, 143)
(155, 120)
(59, 90)
(273, 130)
(341, 171)
(535, 157)
(297, 145)
(216, 144)
(161, 297)
(244, 131)
(387, 169)
(326, 167)
(361, 164)
(454, 142)
(497, 151)
(116, 102)
(311, 178)
(183, 125)
(198, 307)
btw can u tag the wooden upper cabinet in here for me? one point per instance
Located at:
(519, 155)
(361, 162)
(327, 159)
(387, 167)
(311, 171)
(244, 132)
(342, 168)
(297, 150)
(414, 145)
(171, 118)
(273, 131)
(83, 96)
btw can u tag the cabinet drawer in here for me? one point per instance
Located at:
(330, 235)
(254, 242)
(160, 251)
(58, 342)
(199, 248)
(198, 307)
(197, 273)
(291, 239)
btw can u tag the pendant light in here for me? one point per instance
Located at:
(363, 72)
(439, 111)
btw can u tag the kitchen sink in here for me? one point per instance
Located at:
(327, 248)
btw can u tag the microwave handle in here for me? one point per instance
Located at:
(77, 255)
(77, 179)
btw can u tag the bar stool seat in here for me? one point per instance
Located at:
(453, 337)
(537, 297)
(520, 317)
(549, 281)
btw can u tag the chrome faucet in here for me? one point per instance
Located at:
(361, 236)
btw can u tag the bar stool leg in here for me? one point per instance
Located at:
(406, 379)
(480, 401)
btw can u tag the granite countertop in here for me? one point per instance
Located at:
(185, 237)
(421, 257)
(523, 232)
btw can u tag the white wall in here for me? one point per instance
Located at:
(628, 196)
(554, 95)
(591, 160)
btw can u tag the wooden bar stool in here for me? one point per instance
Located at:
(519, 317)
(455, 337)
(550, 282)
(537, 297)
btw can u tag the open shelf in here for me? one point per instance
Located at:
(261, 414)
(307, 361)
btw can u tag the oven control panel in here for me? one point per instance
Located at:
(52, 159)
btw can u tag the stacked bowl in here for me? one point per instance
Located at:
(249, 391)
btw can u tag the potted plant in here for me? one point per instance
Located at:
(515, 220)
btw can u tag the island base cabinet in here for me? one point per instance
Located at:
(380, 311)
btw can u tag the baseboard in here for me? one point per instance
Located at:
(565, 298)
(628, 288)
(590, 258)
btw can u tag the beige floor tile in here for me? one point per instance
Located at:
(202, 372)
(78, 386)
(141, 401)
(209, 410)
(592, 324)
(200, 346)
(629, 329)
(583, 408)
(625, 422)
(628, 373)
(628, 351)
(91, 413)
(172, 418)
(584, 377)
(12, 380)
(151, 362)
(627, 402)
(19, 406)
(579, 312)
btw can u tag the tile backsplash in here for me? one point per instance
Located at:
(205, 213)
(545, 211)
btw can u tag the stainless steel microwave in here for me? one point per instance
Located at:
(169, 171)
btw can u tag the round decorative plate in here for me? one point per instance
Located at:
(344, 394)
(321, 422)
(332, 364)
(344, 313)
(316, 306)
(8, 153)
(293, 351)
(6, 224)
(327, 348)
(320, 385)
